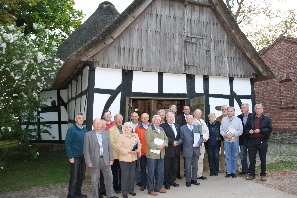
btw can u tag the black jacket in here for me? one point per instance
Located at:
(242, 137)
(171, 150)
(265, 127)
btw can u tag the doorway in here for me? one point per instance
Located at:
(152, 105)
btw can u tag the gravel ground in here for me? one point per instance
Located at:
(279, 184)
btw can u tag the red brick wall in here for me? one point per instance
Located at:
(280, 98)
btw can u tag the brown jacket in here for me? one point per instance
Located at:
(114, 134)
(124, 144)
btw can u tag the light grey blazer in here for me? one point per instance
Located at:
(92, 150)
(187, 139)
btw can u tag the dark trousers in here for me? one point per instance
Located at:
(143, 165)
(115, 169)
(255, 145)
(77, 175)
(128, 175)
(170, 169)
(178, 167)
(213, 158)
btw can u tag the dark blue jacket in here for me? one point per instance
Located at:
(265, 127)
(74, 141)
(242, 137)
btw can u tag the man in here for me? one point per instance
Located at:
(244, 117)
(191, 138)
(231, 129)
(99, 156)
(222, 156)
(134, 121)
(114, 133)
(140, 130)
(156, 141)
(258, 131)
(171, 152)
(182, 121)
(74, 143)
(107, 117)
(202, 125)
(162, 113)
(186, 111)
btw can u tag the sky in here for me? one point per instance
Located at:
(89, 6)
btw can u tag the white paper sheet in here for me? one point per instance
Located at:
(155, 151)
(196, 138)
(158, 141)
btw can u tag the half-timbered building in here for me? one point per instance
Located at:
(153, 54)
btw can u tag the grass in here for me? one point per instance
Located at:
(282, 165)
(19, 174)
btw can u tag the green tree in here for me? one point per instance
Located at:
(58, 16)
(27, 63)
(276, 22)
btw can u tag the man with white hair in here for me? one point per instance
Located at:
(258, 131)
(202, 125)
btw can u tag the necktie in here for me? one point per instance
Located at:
(191, 128)
(173, 129)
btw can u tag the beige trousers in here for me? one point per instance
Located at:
(200, 161)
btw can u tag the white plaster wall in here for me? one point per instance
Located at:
(242, 86)
(63, 94)
(64, 128)
(100, 101)
(77, 106)
(174, 83)
(106, 78)
(83, 104)
(73, 87)
(219, 85)
(49, 116)
(71, 109)
(69, 91)
(79, 84)
(54, 131)
(213, 102)
(49, 96)
(199, 84)
(85, 77)
(146, 82)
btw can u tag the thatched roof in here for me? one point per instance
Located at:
(105, 20)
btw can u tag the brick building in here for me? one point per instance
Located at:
(279, 95)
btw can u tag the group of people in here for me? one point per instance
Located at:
(118, 155)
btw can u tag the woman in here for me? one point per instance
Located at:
(129, 147)
(213, 144)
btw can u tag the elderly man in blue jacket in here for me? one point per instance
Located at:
(74, 143)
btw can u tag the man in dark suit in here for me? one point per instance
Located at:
(171, 152)
(191, 149)
(245, 117)
(182, 118)
(98, 156)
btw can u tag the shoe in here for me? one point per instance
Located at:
(132, 193)
(179, 177)
(196, 183)
(125, 196)
(116, 197)
(153, 193)
(100, 196)
(161, 191)
(242, 173)
(174, 184)
(142, 188)
(216, 174)
(167, 187)
(202, 177)
(188, 184)
(250, 177)
(263, 178)
(222, 171)
(81, 196)
(228, 175)
(117, 191)
(234, 175)
(139, 184)
(211, 174)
